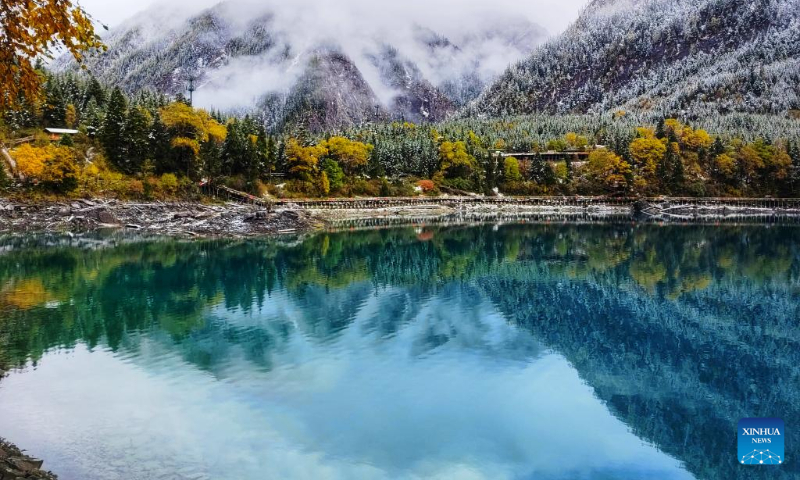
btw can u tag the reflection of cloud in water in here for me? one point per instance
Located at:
(452, 392)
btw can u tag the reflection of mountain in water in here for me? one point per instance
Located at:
(680, 330)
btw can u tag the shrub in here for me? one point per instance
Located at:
(90, 177)
(335, 174)
(511, 170)
(60, 171)
(188, 188)
(114, 182)
(427, 186)
(169, 183)
(301, 188)
(364, 188)
(324, 184)
(260, 189)
(30, 160)
(236, 182)
(152, 188)
(386, 189)
(459, 183)
(525, 188)
(134, 188)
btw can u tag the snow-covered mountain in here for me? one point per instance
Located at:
(690, 57)
(246, 57)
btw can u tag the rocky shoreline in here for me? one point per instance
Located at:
(195, 219)
(186, 219)
(15, 465)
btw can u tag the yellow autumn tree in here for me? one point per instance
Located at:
(189, 128)
(52, 165)
(575, 141)
(70, 116)
(688, 137)
(30, 160)
(456, 162)
(31, 29)
(647, 152)
(351, 155)
(673, 126)
(187, 122)
(303, 161)
(725, 166)
(61, 171)
(607, 170)
(696, 139)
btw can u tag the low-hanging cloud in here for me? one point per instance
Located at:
(486, 37)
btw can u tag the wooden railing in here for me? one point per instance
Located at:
(18, 141)
(578, 202)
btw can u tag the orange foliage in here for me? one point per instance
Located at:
(30, 29)
(30, 160)
(426, 185)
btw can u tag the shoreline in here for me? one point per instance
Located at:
(240, 220)
(171, 219)
(15, 464)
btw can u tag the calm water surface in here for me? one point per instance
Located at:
(490, 352)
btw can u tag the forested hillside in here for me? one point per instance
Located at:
(150, 146)
(692, 58)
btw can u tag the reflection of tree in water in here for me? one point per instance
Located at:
(681, 330)
(681, 374)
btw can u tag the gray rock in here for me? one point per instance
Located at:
(104, 216)
(25, 464)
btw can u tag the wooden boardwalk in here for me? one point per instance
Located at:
(660, 203)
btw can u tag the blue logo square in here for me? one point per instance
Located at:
(761, 441)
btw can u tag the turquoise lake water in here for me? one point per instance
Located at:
(538, 351)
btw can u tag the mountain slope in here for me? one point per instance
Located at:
(331, 93)
(691, 57)
(414, 97)
(246, 58)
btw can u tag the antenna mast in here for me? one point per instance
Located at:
(191, 90)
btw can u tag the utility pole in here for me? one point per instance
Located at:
(191, 90)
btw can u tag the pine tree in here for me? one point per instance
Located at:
(570, 170)
(670, 169)
(660, 129)
(211, 159)
(793, 149)
(261, 154)
(113, 135)
(137, 139)
(160, 150)
(718, 148)
(96, 92)
(271, 155)
(281, 163)
(234, 150)
(92, 119)
(538, 171)
(55, 107)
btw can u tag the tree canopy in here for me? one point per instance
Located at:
(31, 29)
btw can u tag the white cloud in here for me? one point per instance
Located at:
(555, 15)
(357, 27)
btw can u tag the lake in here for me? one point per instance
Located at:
(518, 351)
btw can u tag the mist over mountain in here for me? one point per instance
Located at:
(695, 58)
(322, 66)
